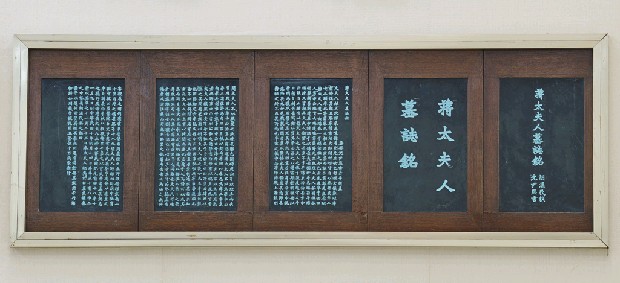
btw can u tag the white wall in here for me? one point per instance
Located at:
(298, 17)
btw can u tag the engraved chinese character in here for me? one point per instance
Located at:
(538, 128)
(408, 161)
(539, 93)
(538, 106)
(538, 117)
(537, 161)
(445, 107)
(444, 159)
(537, 138)
(410, 111)
(444, 185)
(444, 135)
(409, 135)
(537, 149)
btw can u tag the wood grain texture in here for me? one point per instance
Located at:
(533, 63)
(426, 64)
(84, 64)
(311, 64)
(197, 64)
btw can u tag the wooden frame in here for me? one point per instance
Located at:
(426, 64)
(110, 64)
(311, 64)
(204, 64)
(531, 64)
(597, 238)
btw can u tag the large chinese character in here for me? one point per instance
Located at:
(444, 159)
(537, 138)
(445, 107)
(538, 106)
(539, 93)
(537, 149)
(444, 135)
(409, 135)
(445, 186)
(538, 128)
(408, 161)
(537, 161)
(410, 111)
(538, 117)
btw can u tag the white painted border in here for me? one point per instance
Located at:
(600, 151)
(18, 163)
(310, 42)
(288, 239)
(598, 238)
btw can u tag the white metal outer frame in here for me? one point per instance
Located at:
(598, 238)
